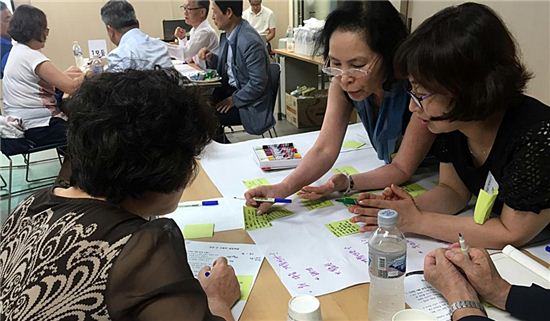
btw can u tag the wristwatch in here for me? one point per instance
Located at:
(466, 304)
(351, 184)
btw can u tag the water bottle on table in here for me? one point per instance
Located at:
(96, 66)
(78, 57)
(387, 263)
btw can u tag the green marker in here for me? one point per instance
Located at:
(347, 200)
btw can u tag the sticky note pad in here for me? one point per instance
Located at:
(350, 170)
(277, 212)
(343, 228)
(253, 221)
(194, 231)
(315, 204)
(484, 205)
(251, 183)
(414, 189)
(352, 144)
(245, 281)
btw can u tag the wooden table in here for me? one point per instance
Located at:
(297, 70)
(269, 298)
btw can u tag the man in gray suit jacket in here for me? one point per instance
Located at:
(242, 61)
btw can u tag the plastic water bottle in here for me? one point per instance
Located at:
(387, 264)
(96, 66)
(78, 57)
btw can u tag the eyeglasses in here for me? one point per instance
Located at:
(352, 72)
(418, 99)
(186, 8)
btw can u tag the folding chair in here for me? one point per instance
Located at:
(27, 160)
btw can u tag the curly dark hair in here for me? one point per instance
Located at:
(379, 22)
(27, 23)
(135, 132)
(466, 51)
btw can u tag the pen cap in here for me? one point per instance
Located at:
(209, 203)
(387, 218)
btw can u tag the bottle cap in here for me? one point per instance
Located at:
(387, 217)
(304, 308)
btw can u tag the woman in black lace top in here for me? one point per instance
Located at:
(89, 252)
(467, 85)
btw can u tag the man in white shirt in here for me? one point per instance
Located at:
(261, 18)
(136, 50)
(195, 13)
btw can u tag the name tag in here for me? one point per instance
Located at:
(486, 200)
(97, 48)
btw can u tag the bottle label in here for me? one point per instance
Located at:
(387, 267)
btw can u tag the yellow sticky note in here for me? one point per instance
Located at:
(343, 228)
(352, 144)
(251, 183)
(315, 204)
(350, 170)
(194, 231)
(252, 221)
(414, 189)
(484, 205)
(245, 281)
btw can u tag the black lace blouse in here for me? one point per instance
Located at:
(83, 259)
(519, 159)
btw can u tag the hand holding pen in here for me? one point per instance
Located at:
(220, 283)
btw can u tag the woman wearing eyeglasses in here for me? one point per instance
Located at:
(467, 83)
(359, 41)
(29, 84)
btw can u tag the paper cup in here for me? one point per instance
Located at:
(412, 315)
(304, 308)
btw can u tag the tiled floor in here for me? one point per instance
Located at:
(51, 167)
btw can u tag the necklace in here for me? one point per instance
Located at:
(482, 153)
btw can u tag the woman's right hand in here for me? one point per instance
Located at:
(276, 190)
(336, 183)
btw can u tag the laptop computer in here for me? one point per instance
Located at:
(168, 27)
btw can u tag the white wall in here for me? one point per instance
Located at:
(529, 22)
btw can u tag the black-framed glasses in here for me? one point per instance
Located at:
(418, 99)
(186, 8)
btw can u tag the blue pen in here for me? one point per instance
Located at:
(207, 274)
(198, 203)
(547, 248)
(268, 199)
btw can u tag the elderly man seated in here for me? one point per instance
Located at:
(136, 49)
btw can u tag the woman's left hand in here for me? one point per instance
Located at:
(397, 199)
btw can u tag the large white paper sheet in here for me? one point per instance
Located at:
(540, 252)
(246, 259)
(228, 215)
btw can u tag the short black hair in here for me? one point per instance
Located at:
(205, 4)
(466, 51)
(119, 14)
(379, 22)
(235, 5)
(135, 132)
(27, 23)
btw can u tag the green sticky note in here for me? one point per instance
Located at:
(314, 204)
(277, 212)
(350, 170)
(484, 205)
(253, 221)
(245, 281)
(343, 228)
(251, 183)
(194, 231)
(352, 144)
(414, 189)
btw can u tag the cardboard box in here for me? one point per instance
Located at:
(304, 112)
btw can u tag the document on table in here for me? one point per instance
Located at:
(246, 259)
(186, 70)
(227, 215)
(540, 252)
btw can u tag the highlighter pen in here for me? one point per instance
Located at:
(463, 246)
(267, 199)
(347, 200)
(198, 203)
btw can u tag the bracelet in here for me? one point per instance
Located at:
(351, 184)
(466, 304)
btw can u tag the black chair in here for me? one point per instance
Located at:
(27, 160)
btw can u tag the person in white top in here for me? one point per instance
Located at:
(195, 13)
(136, 49)
(29, 83)
(261, 18)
